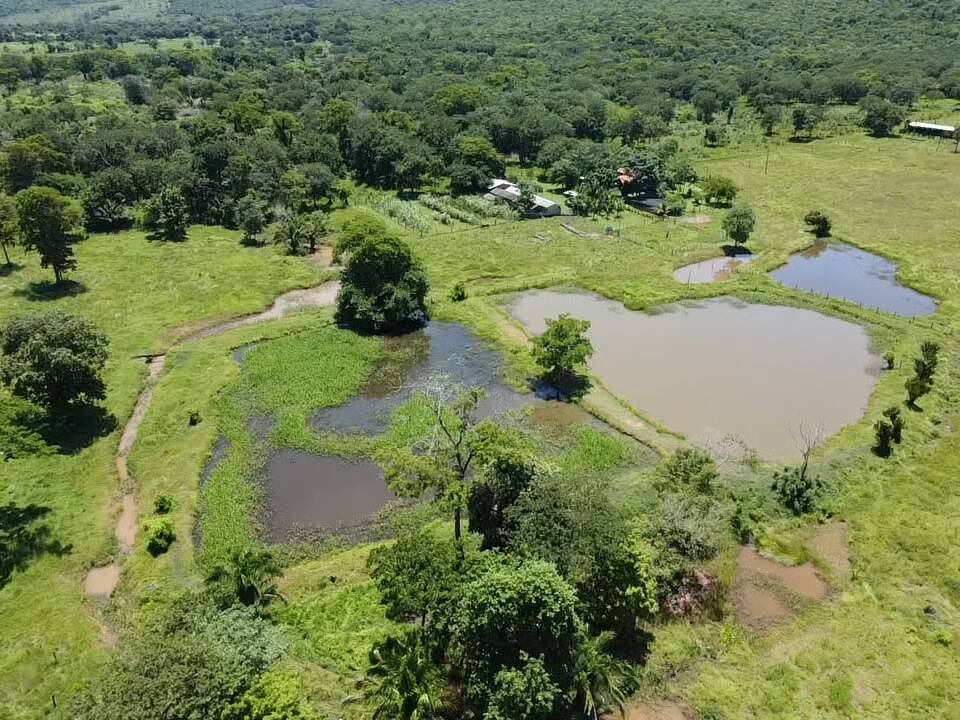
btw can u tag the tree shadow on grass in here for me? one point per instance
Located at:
(22, 538)
(77, 428)
(6, 270)
(45, 290)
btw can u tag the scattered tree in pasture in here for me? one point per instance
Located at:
(383, 288)
(107, 198)
(458, 293)
(561, 349)
(248, 576)
(503, 479)
(807, 438)
(718, 190)
(739, 223)
(9, 226)
(916, 389)
(715, 135)
(880, 116)
(819, 223)
(166, 214)
(53, 360)
(49, 224)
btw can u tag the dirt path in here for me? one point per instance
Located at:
(100, 582)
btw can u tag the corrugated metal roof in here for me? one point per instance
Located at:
(932, 126)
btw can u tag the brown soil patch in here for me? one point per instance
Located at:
(322, 258)
(657, 711)
(696, 220)
(765, 591)
(126, 527)
(829, 542)
(101, 581)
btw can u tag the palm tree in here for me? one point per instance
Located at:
(601, 680)
(402, 682)
(249, 576)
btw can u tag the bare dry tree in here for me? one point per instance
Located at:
(807, 437)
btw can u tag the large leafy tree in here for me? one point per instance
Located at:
(739, 224)
(53, 360)
(383, 289)
(512, 612)
(49, 224)
(561, 349)
(880, 116)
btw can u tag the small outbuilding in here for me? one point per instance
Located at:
(932, 129)
(508, 192)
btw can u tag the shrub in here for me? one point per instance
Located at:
(897, 423)
(819, 223)
(890, 359)
(160, 535)
(689, 467)
(719, 190)
(163, 504)
(796, 489)
(458, 293)
(884, 436)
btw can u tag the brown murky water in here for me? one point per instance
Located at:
(752, 371)
(305, 491)
(712, 270)
(843, 271)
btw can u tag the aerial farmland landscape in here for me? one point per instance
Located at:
(446, 359)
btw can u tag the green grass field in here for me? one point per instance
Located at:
(870, 651)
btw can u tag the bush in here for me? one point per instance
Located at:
(160, 535)
(719, 190)
(797, 490)
(882, 447)
(897, 423)
(163, 504)
(819, 223)
(458, 293)
(689, 467)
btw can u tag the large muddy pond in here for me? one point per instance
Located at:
(849, 273)
(712, 270)
(722, 366)
(441, 352)
(311, 492)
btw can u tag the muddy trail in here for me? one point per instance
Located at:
(100, 582)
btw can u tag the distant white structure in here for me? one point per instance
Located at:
(925, 128)
(508, 192)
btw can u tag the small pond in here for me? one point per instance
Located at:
(446, 351)
(308, 492)
(753, 371)
(849, 273)
(712, 270)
